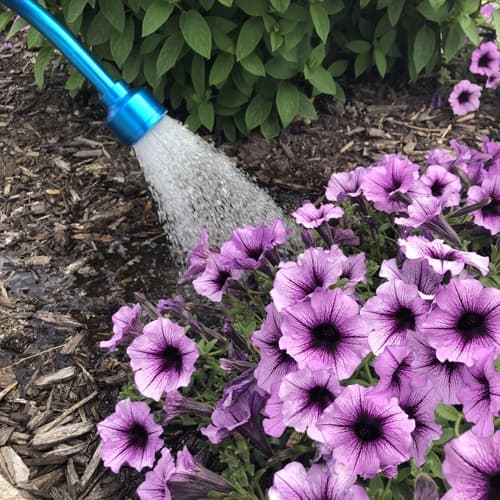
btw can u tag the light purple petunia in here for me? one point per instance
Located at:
(130, 436)
(487, 10)
(368, 433)
(464, 321)
(325, 331)
(395, 309)
(438, 156)
(354, 271)
(489, 215)
(310, 217)
(442, 257)
(485, 60)
(472, 467)
(464, 97)
(419, 403)
(176, 405)
(445, 376)
(342, 185)
(394, 368)
(480, 395)
(273, 424)
(218, 273)
(316, 268)
(293, 482)
(163, 358)
(154, 486)
(248, 245)
(274, 362)
(198, 257)
(391, 183)
(126, 326)
(442, 184)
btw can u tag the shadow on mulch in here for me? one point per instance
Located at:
(79, 235)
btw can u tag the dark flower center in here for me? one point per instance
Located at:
(222, 277)
(464, 97)
(471, 325)
(484, 61)
(405, 319)
(367, 428)
(326, 336)
(255, 253)
(171, 359)
(493, 486)
(437, 189)
(491, 209)
(320, 397)
(138, 436)
(396, 376)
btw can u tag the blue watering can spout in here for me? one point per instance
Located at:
(131, 113)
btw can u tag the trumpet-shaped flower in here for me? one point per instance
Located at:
(309, 216)
(126, 326)
(464, 97)
(442, 184)
(130, 436)
(489, 215)
(472, 467)
(342, 185)
(367, 433)
(162, 358)
(464, 321)
(485, 60)
(325, 331)
(155, 484)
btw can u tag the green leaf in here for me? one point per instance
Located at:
(169, 53)
(34, 38)
(423, 47)
(338, 67)
(359, 46)
(114, 12)
(198, 74)
(394, 11)
(287, 102)
(278, 68)
(380, 62)
(496, 21)
(132, 66)
(257, 111)
(253, 64)
(320, 20)
(469, 28)
(73, 9)
(221, 68)
(362, 63)
(196, 32)
(156, 15)
(436, 15)
(436, 4)
(42, 60)
(447, 412)
(469, 6)
(276, 41)
(270, 128)
(306, 107)
(386, 41)
(122, 43)
(253, 8)
(206, 115)
(249, 37)
(75, 81)
(280, 5)
(320, 79)
(5, 19)
(227, 3)
(455, 40)
(15, 27)
(316, 56)
(99, 31)
(229, 130)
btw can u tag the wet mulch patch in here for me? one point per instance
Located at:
(79, 235)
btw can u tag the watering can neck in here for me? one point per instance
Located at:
(131, 113)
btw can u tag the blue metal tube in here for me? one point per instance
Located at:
(131, 113)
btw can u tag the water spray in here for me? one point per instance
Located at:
(194, 185)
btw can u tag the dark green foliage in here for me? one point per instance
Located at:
(239, 65)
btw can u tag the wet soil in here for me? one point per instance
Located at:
(79, 235)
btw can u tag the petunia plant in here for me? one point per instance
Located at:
(353, 355)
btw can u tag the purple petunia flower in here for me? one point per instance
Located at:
(485, 60)
(391, 182)
(492, 81)
(419, 403)
(154, 486)
(273, 424)
(394, 368)
(176, 405)
(316, 268)
(489, 215)
(488, 9)
(367, 433)
(310, 216)
(248, 245)
(130, 436)
(441, 157)
(354, 271)
(274, 362)
(464, 321)
(293, 482)
(325, 331)
(480, 395)
(162, 358)
(198, 257)
(395, 309)
(441, 256)
(216, 277)
(126, 326)
(342, 185)
(442, 185)
(472, 467)
(464, 97)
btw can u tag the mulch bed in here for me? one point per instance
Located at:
(79, 235)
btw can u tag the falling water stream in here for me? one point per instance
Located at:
(196, 187)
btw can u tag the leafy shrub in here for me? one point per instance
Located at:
(239, 65)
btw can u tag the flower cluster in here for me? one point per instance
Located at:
(485, 65)
(350, 357)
